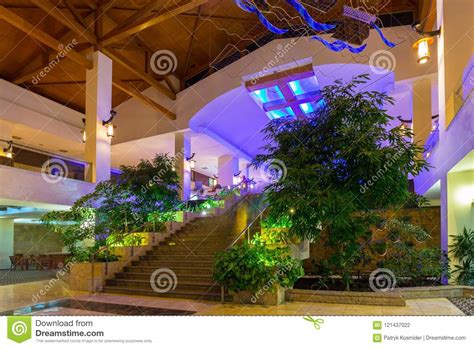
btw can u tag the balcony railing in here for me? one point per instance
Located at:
(39, 161)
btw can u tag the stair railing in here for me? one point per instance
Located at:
(246, 232)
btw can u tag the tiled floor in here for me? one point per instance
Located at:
(8, 277)
(21, 295)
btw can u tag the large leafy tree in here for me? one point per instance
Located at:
(137, 200)
(341, 163)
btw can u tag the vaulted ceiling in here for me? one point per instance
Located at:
(197, 32)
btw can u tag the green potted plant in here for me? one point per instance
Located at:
(255, 274)
(462, 249)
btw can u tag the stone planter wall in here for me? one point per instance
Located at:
(389, 298)
(270, 297)
(80, 278)
(438, 291)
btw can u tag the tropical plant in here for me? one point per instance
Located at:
(252, 267)
(416, 266)
(140, 199)
(462, 249)
(341, 163)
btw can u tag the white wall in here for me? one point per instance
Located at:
(6, 242)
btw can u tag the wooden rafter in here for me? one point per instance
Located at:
(142, 13)
(59, 15)
(143, 98)
(122, 33)
(25, 26)
(191, 42)
(130, 66)
(75, 13)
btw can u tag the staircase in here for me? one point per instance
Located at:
(189, 254)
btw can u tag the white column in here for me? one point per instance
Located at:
(421, 111)
(98, 106)
(454, 17)
(227, 166)
(6, 242)
(5, 134)
(182, 150)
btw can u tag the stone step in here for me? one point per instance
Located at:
(165, 250)
(142, 284)
(169, 254)
(178, 271)
(204, 249)
(174, 263)
(192, 295)
(178, 257)
(198, 278)
(193, 244)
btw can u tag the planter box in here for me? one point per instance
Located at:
(389, 298)
(269, 297)
(80, 278)
(438, 291)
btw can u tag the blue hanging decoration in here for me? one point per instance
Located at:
(248, 7)
(307, 17)
(366, 18)
(382, 36)
(339, 45)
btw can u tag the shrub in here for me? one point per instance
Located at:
(252, 267)
(463, 250)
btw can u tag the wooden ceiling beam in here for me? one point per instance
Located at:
(191, 42)
(130, 66)
(36, 33)
(143, 98)
(141, 13)
(75, 13)
(59, 15)
(122, 33)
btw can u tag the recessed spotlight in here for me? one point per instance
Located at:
(41, 144)
(62, 150)
(205, 168)
(16, 137)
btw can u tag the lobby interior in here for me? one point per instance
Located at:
(89, 86)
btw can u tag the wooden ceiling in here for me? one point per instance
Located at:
(196, 31)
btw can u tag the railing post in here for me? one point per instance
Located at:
(222, 295)
(93, 274)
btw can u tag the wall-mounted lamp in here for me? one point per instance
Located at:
(237, 174)
(190, 157)
(108, 124)
(83, 131)
(9, 149)
(423, 44)
(192, 164)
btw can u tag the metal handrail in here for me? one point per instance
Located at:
(244, 231)
(247, 228)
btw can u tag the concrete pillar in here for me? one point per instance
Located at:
(227, 166)
(6, 129)
(459, 207)
(6, 242)
(98, 106)
(182, 150)
(421, 111)
(443, 197)
(454, 17)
